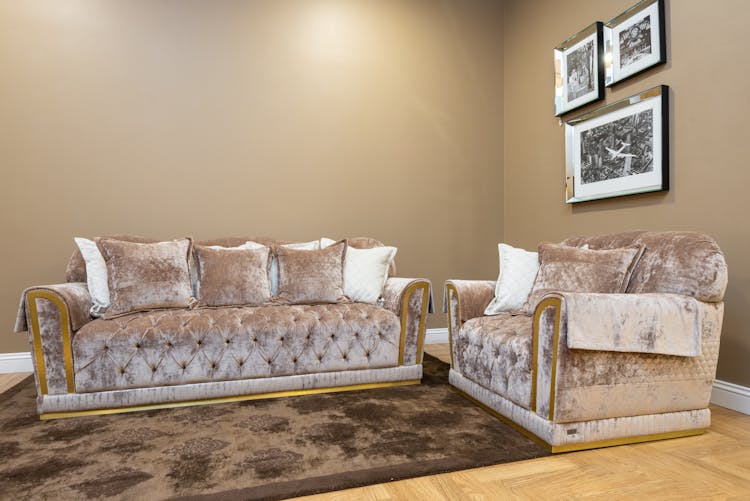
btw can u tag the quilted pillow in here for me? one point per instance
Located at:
(365, 271)
(147, 276)
(311, 276)
(572, 269)
(232, 276)
(518, 269)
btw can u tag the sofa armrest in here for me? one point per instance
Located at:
(462, 301)
(411, 300)
(51, 314)
(599, 356)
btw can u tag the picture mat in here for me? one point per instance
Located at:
(636, 183)
(580, 46)
(612, 32)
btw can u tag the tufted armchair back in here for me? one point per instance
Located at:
(677, 262)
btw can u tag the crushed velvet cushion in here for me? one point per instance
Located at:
(232, 276)
(76, 270)
(563, 268)
(311, 276)
(676, 262)
(145, 276)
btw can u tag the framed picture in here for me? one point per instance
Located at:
(635, 41)
(579, 69)
(619, 149)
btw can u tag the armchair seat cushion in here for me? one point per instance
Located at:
(495, 352)
(186, 346)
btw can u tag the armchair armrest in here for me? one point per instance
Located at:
(51, 314)
(411, 300)
(462, 301)
(598, 356)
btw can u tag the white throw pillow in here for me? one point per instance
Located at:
(365, 271)
(273, 275)
(96, 275)
(518, 269)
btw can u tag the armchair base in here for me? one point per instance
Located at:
(568, 437)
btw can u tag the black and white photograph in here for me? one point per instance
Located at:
(634, 41)
(618, 149)
(579, 69)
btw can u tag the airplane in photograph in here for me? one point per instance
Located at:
(619, 154)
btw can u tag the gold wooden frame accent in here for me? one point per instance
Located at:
(31, 298)
(597, 444)
(550, 302)
(451, 289)
(221, 400)
(425, 287)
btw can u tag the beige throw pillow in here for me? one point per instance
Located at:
(572, 269)
(311, 276)
(232, 276)
(145, 276)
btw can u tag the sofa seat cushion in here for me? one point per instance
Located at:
(495, 352)
(187, 346)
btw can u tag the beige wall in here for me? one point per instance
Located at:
(282, 118)
(707, 69)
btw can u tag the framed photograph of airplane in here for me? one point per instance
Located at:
(579, 69)
(634, 41)
(619, 149)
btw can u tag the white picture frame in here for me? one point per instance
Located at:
(619, 149)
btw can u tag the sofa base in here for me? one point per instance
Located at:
(568, 437)
(137, 399)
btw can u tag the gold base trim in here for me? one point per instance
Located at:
(222, 400)
(612, 442)
(598, 444)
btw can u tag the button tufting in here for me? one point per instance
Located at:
(227, 341)
(106, 347)
(268, 361)
(241, 363)
(294, 360)
(281, 339)
(343, 355)
(200, 342)
(122, 370)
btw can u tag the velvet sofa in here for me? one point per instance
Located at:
(182, 357)
(590, 370)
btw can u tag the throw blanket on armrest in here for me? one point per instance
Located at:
(665, 324)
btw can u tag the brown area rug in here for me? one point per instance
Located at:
(261, 449)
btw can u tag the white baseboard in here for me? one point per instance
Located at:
(732, 396)
(15, 362)
(436, 336)
(729, 395)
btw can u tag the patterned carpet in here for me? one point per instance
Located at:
(262, 449)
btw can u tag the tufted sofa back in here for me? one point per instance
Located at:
(76, 269)
(677, 262)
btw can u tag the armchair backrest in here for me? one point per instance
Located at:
(678, 262)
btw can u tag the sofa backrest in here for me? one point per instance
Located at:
(677, 262)
(76, 269)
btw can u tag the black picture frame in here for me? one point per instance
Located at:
(579, 69)
(619, 149)
(635, 41)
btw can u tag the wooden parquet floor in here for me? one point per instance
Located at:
(715, 465)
